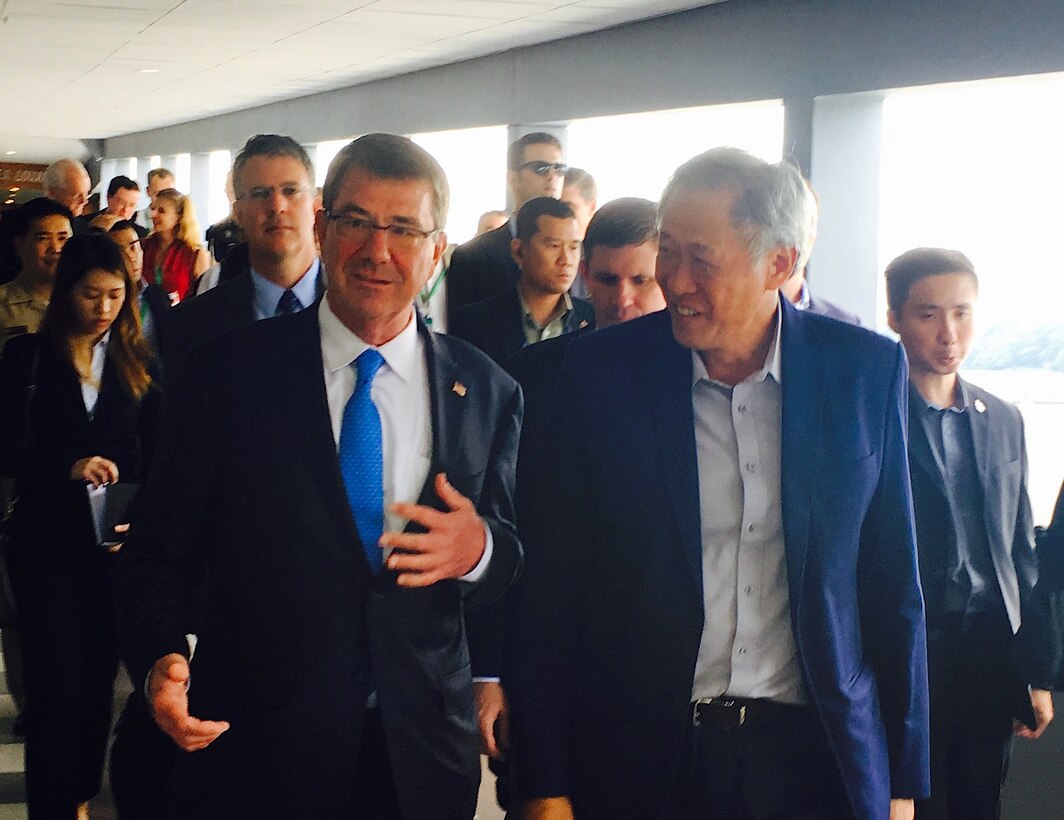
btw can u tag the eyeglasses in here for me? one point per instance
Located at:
(263, 193)
(543, 169)
(360, 229)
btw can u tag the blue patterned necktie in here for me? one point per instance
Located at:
(362, 458)
(288, 303)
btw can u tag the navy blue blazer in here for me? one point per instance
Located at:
(610, 633)
(296, 631)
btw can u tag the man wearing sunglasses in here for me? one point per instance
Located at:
(484, 267)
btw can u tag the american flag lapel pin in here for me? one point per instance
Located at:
(459, 388)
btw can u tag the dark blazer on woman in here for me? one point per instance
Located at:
(52, 507)
(62, 578)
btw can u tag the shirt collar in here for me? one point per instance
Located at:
(268, 294)
(803, 297)
(340, 347)
(564, 306)
(773, 365)
(104, 340)
(925, 405)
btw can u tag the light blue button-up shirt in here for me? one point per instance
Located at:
(267, 294)
(747, 648)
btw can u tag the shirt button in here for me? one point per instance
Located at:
(742, 650)
(750, 466)
(751, 528)
(742, 408)
(748, 589)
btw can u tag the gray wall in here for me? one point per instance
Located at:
(740, 50)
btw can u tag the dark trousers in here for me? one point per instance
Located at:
(71, 655)
(974, 694)
(778, 769)
(143, 760)
(376, 796)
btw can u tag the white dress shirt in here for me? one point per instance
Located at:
(400, 393)
(90, 390)
(747, 648)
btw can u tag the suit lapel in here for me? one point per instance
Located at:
(801, 431)
(303, 371)
(444, 412)
(920, 452)
(666, 389)
(980, 436)
(512, 321)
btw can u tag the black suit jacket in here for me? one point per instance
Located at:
(496, 325)
(53, 514)
(296, 630)
(193, 321)
(1001, 460)
(159, 307)
(536, 368)
(830, 309)
(480, 268)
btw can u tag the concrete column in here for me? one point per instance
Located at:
(798, 131)
(200, 189)
(845, 160)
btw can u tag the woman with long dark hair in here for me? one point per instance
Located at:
(78, 405)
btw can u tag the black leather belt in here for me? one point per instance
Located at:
(729, 714)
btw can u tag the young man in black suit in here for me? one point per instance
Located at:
(483, 266)
(278, 272)
(342, 480)
(974, 536)
(547, 252)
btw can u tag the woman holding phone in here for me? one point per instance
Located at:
(78, 407)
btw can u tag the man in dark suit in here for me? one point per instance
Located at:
(483, 266)
(538, 307)
(620, 251)
(796, 289)
(279, 273)
(724, 614)
(990, 669)
(331, 675)
(123, 194)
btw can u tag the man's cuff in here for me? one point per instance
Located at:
(486, 680)
(478, 571)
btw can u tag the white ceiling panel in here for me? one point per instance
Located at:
(76, 70)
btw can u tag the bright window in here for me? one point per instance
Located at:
(183, 173)
(218, 165)
(976, 167)
(635, 154)
(474, 160)
(323, 155)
